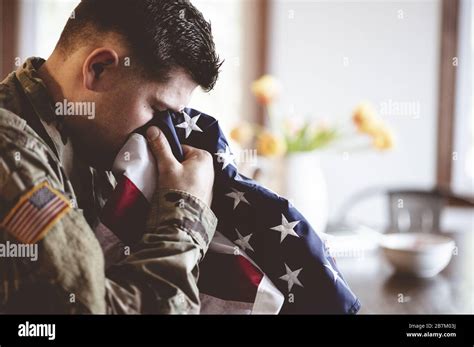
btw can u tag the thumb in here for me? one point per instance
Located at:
(160, 147)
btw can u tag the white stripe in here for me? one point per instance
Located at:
(45, 219)
(136, 161)
(23, 229)
(212, 305)
(269, 300)
(22, 226)
(19, 214)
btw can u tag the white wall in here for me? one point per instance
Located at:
(463, 166)
(389, 58)
(41, 23)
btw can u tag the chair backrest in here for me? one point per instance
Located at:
(415, 210)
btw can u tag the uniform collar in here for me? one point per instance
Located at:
(35, 88)
(41, 101)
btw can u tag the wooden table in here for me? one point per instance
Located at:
(380, 290)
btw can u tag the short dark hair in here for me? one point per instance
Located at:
(162, 35)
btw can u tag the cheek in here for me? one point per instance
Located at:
(134, 116)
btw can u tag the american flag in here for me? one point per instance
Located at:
(35, 212)
(265, 257)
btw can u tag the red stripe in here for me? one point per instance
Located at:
(22, 229)
(251, 271)
(26, 219)
(229, 277)
(29, 217)
(125, 211)
(53, 211)
(19, 213)
(46, 222)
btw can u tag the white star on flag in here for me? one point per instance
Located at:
(291, 277)
(238, 197)
(227, 157)
(189, 124)
(334, 272)
(243, 241)
(286, 228)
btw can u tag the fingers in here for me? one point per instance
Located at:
(193, 152)
(189, 151)
(161, 148)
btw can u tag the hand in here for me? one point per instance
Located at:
(194, 175)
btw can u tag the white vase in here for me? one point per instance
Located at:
(303, 183)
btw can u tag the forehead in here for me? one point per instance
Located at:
(176, 92)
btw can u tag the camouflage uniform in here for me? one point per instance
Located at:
(159, 276)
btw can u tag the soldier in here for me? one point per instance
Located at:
(62, 122)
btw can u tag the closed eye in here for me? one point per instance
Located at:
(160, 108)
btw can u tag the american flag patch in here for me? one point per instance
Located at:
(35, 213)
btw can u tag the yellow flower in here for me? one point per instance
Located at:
(242, 133)
(383, 139)
(266, 89)
(365, 118)
(269, 144)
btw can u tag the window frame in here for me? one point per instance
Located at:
(9, 11)
(446, 102)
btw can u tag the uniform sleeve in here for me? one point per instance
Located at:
(61, 270)
(164, 266)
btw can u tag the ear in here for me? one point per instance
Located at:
(97, 65)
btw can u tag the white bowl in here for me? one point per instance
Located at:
(418, 254)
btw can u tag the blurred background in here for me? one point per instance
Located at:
(348, 108)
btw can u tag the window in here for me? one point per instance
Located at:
(41, 23)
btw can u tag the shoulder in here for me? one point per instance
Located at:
(9, 119)
(15, 133)
(25, 159)
(10, 96)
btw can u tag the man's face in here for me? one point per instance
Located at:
(124, 102)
